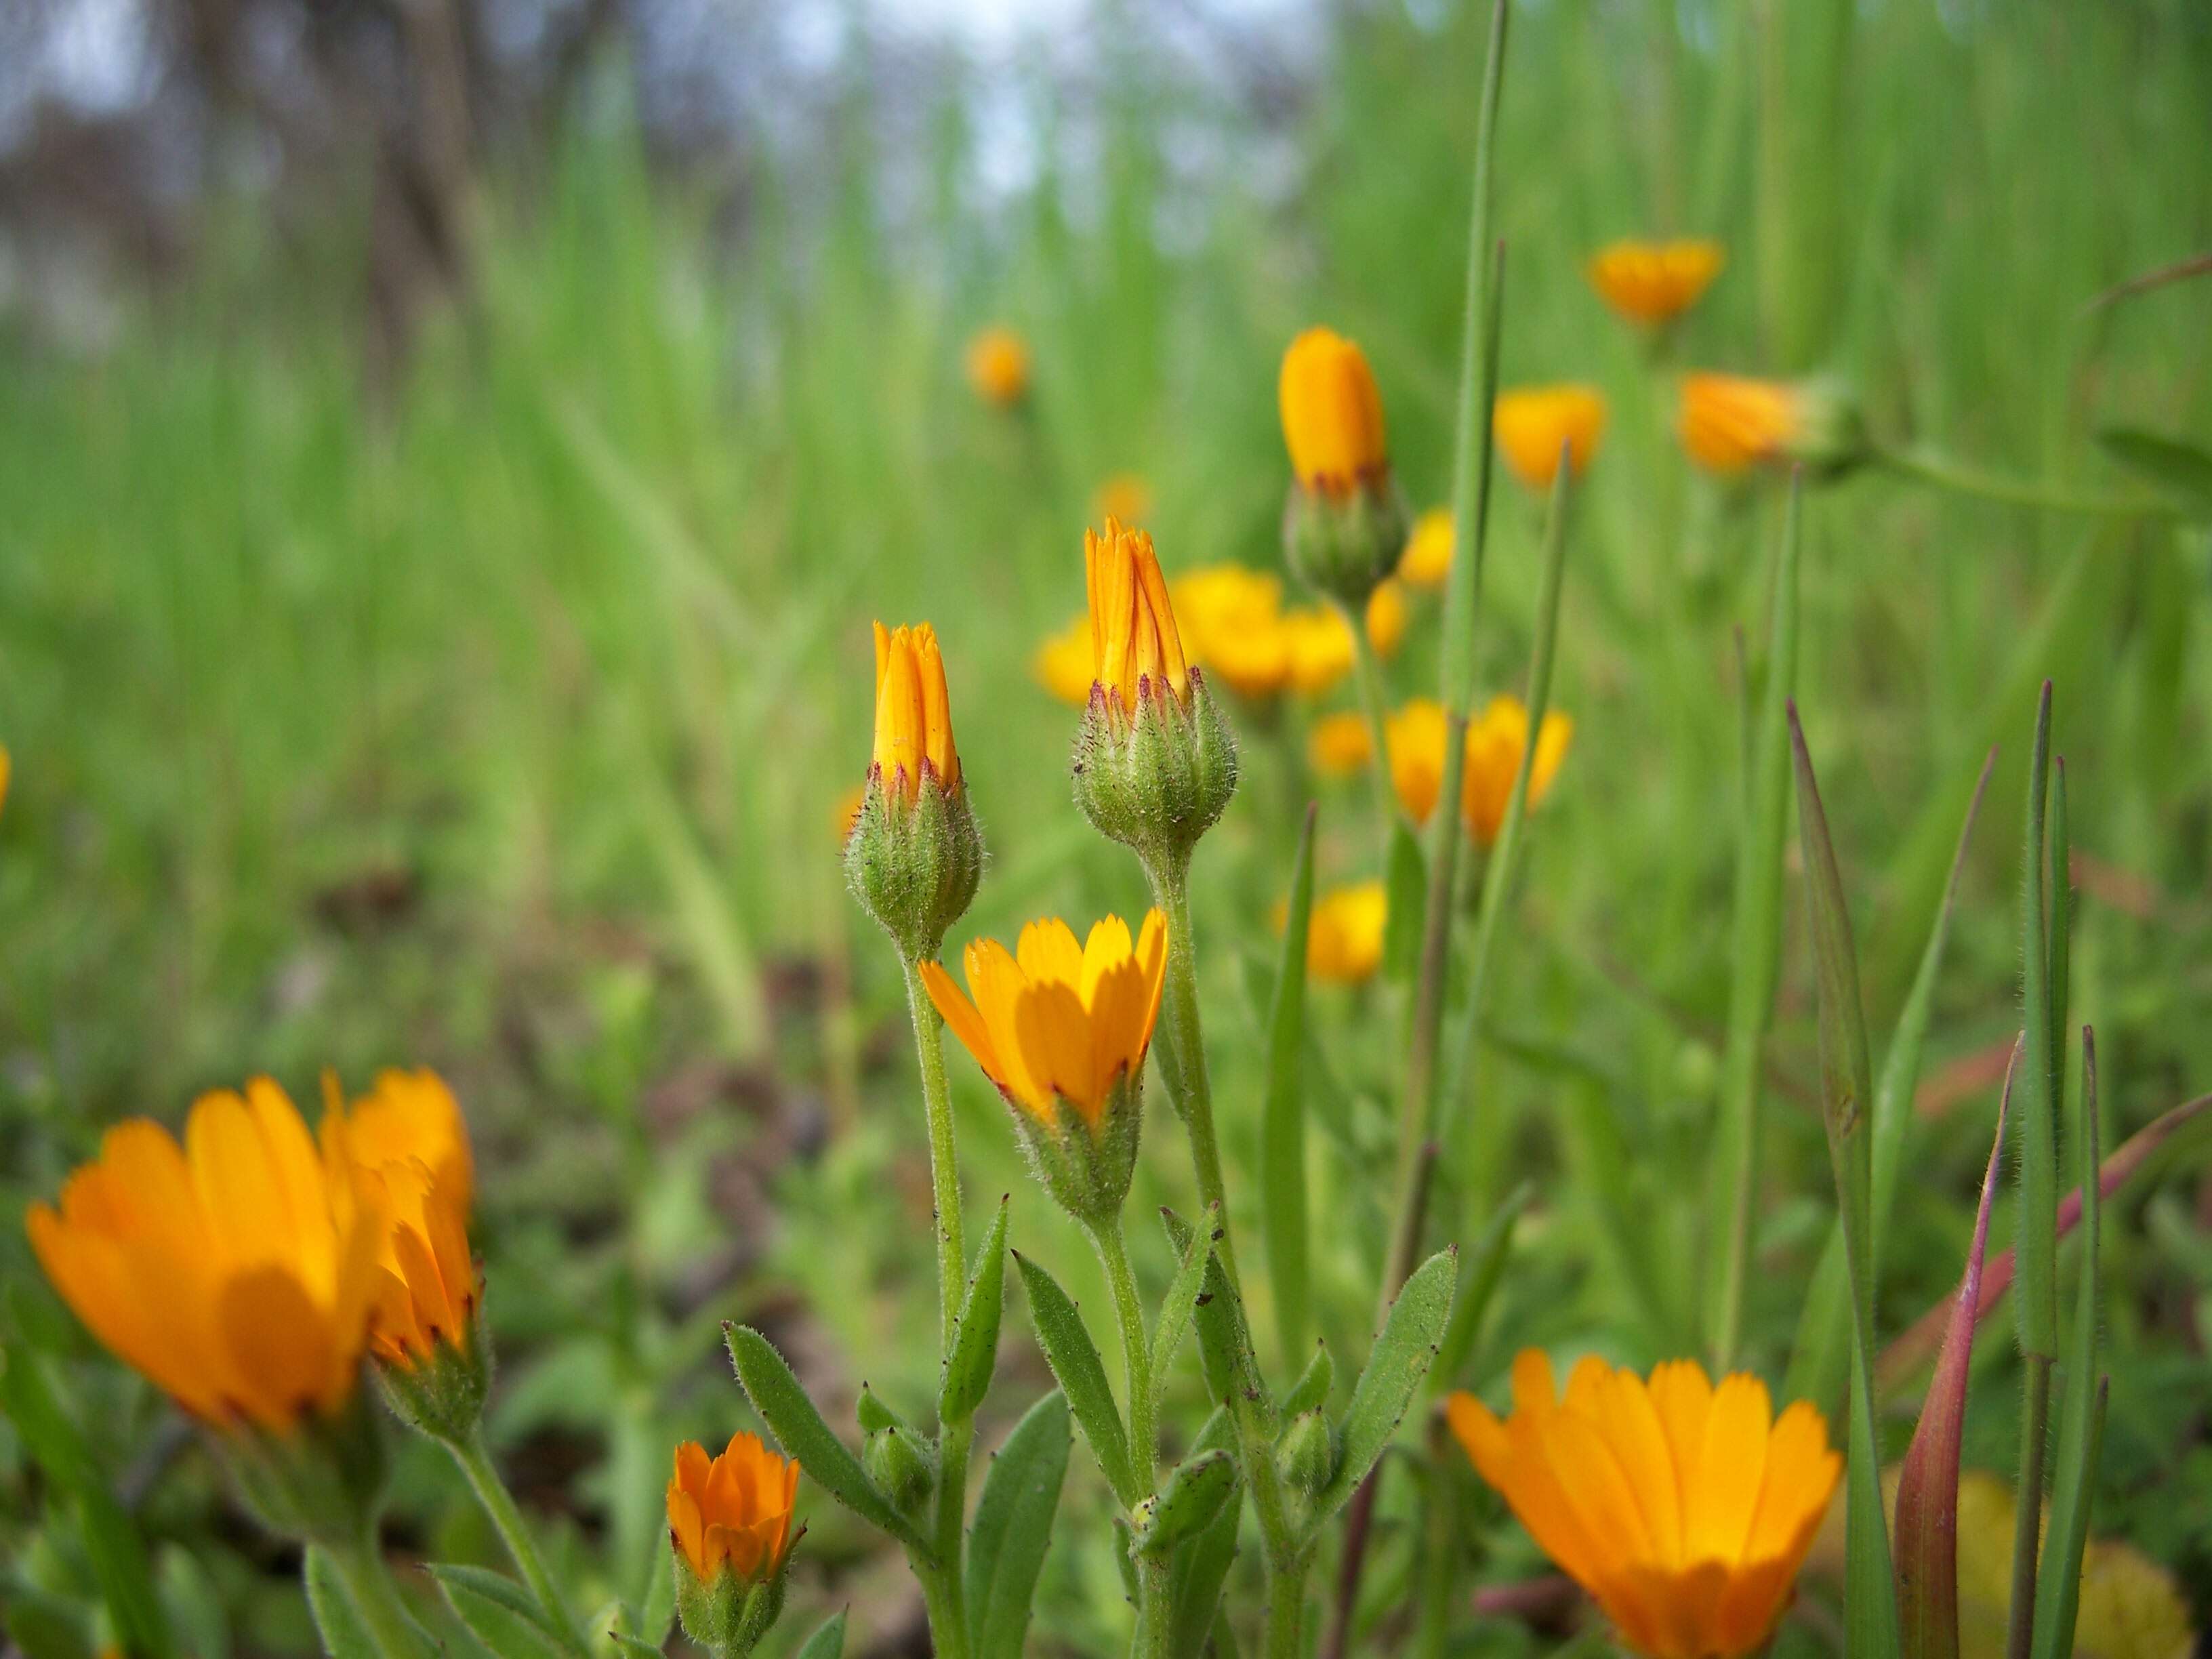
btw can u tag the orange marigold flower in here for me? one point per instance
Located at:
(998, 366)
(1133, 623)
(1062, 663)
(1341, 745)
(1684, 1509)
(733, 1510)
(1124, 496)
(913, 715)
(1344, 936)
(1655, 282)
(1496, 738)
(1732, 421)
(1231, 620)
(5, 768)
(1533, 424)
(1052, 1021)
(1428, 556)
(1321, 648)
(235, 1272)
(1332, 413)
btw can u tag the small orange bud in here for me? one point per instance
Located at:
(1652, 282)
(998, 366)
(1133, 623)
(914, 715)
(1534, 423)
(1332, 413)
(732, 1511)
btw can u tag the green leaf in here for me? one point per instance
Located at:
(1074, 1360)
(194, 1602)
(2184, 469)
(2035, 1235)
(46, 1627)
(1754, 956)
(828, 1643)
(1310, 1392)
(337, 1620)
(1225, 1340)
(1394, 1368)
(791, 1417)
(1870, 1628)
(1013, 1527)
(2082, 1426)
(1407, 895)
(1484, 1268)
(632, 1647)
(1181, 1303)
(499, 1612)
(658, 1612)
(1820, 1361)
(1194, 1493)
(1200, 1565)
(1928, 1487)
(975, 1347)
(1282, 1114)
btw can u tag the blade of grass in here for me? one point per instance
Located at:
(1282, 1117)
(1754, 957)
(1928, 1488)
(1870, 1626)
(2080, 1427)
(1818, 1363)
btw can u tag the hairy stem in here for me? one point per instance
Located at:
(498, 1503)
(1170, 879)
(1930, 466)
(369, 1585)
(1136, 1355)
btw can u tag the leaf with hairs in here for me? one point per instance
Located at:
(1081, 1374)
(1396, 1365)
(1013, 1528)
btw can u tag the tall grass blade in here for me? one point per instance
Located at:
(1754, 957)
(1870, 1626)
(1282, 1117)
(1928, 1488)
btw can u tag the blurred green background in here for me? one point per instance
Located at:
(456, 656)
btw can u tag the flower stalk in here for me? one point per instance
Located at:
(1189, 1082)
(475, 1461)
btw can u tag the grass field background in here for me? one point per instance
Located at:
(498, 722)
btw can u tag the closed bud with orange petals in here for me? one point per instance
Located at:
(1343, 523)
(1683, 1509)
(729, 1529)
(1535, 424)
(915, 854)
(1655, 282)
(1155, 761)
(237, 1272)
(1730, 423)
(1061, 1029)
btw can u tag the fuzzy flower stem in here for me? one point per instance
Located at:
(1136, 1353)
(1170, 879)
(499, 1504)
(368, 1586)
(1930, 466)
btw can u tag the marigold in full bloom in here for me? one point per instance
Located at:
(1052, 1022)
(1652, 282)
(1341, 745)
(1062, 664)
(236, 1272)
(998, 366)
(1428, 556)
(1496, 738)
(1321, 648)
(913, 713)
(1533, 424)
(1332, 413)
(733, 1510)
(1684, 1509)
(1344, 936)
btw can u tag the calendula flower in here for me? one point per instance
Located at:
(236, 1272)
(1534, 423)
(1652, 282)
(1126, 497)
(1428, 556)
(1730, 422)
(998, 366)
(1343, 525)
(729, 1525)
(1231, 621)
(1496, 738)
(1155, 762)
(1062, 663)
(1322, 651)
(914, 853)
(5, 768)
(1061, 1029)
(1344, 936)
(1684, 1509)
(1341, 745)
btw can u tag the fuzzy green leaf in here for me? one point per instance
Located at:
(337, 1621)
(1310, 1392)
(1186, 1503)
(1181, 1303)
(1394, 1368)
(499, 1612)
(828, 1641)
(1200, 1564)
(1075, 1364)
(1013, 1528)
(1225, 1340)
(974, 1346)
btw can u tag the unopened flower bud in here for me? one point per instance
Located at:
(1730, 424)
(1344, 525)
(1307, 1453)
(900, 1467)
(729, 1527)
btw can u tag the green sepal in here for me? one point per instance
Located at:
(1186, 1503)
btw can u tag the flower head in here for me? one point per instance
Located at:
(1332, 413)
(1428, 556)
(1730, 422)
(1063, 1031)
(1062, 664)
(1133, 636)
(1534, 423)
(732, 1511)
(1344, 936)
(1683, 1508)
(5, 767)
(1124, 496)
(1496, 739)
(914, 715)
(236, 1272)
(998, 366)
(1341, 745)
(1653, 283)
(1232, 622)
